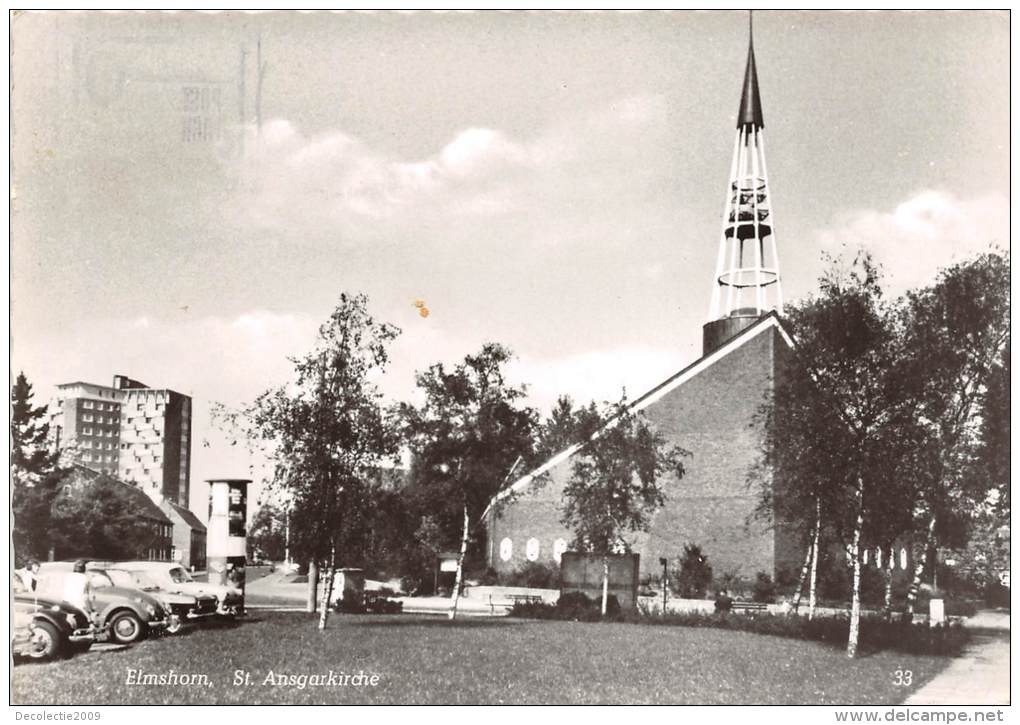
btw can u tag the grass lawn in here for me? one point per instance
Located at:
(485, 661)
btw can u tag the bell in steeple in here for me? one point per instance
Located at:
(747, 282)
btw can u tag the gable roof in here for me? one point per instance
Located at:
(145, 505)
(766, 322)
(188, 516)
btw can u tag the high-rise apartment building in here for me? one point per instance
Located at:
(86, 419)
(138, 433)
(155, 446)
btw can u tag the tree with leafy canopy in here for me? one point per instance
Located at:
(839, 433)
(465, 440)
(97, 516)
(558, 431)
(958, 333)
(991, 460)
(326, 433)
(267, 533)
(35, 474)
(616, 482)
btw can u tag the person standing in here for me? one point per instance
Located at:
(29, 575)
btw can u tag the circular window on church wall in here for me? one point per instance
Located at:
(559, 546)
(506, 549)
(532, 550)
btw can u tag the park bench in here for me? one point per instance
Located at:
(501, 601)
(749, 606)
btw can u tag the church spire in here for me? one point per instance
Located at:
(747, 282)
(750, 100)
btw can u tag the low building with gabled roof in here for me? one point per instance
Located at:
(189, 535)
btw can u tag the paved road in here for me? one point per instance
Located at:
(978, 677)
(273, 591)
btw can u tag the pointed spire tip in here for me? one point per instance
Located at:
(750, 99)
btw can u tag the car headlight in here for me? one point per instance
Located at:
(151, 610)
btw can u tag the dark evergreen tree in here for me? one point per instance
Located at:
(34, 474)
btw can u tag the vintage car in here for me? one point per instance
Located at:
(173, 577)
(45, 628)
(128, 614)
(182, 607)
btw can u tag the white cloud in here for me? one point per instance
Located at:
(291, 181)
(927, 232)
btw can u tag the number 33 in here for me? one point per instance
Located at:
(903, 678)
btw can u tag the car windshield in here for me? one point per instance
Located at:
(98, 580)
(132, 579)
(179, 575)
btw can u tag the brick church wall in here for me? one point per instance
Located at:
(711, 416)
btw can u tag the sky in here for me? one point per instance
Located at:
(552, 181)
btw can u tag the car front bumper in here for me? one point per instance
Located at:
(85, 634)
(193, 614)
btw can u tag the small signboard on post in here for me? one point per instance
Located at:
(582, 572)
(446, 563)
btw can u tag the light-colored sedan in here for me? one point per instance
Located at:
(172, 577)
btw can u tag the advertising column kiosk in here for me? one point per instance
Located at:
(226, 545)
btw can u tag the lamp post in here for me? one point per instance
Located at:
(665, 582)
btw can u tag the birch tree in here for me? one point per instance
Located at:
(616, 482)
(835, 426)
(326, 433)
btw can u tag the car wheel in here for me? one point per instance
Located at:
(45, 642)
(127, 627)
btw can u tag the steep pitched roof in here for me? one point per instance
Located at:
(766, 322)
(189, 517)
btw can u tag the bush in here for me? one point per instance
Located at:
(694, 576)
(876, 634)
(872, 586)
(533, 574)
(572, 606)
(764, 588)
(488, 578)
(787, 578)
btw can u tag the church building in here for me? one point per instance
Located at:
(707, 408)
